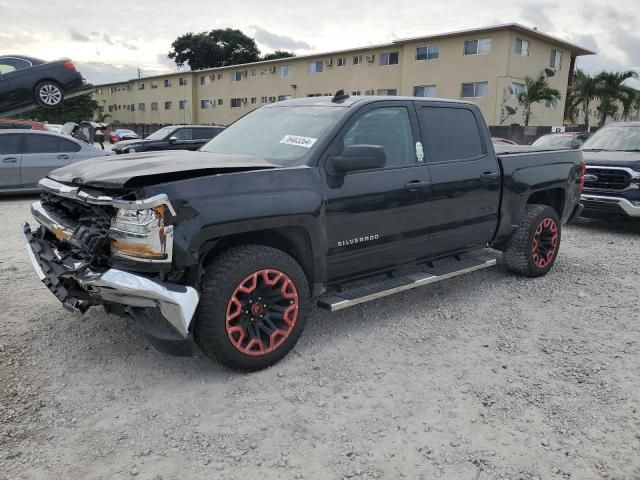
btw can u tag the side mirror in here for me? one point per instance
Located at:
(173, 140)
(359, 157)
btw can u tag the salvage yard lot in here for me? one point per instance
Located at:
(487, 373)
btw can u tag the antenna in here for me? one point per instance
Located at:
(339, 97)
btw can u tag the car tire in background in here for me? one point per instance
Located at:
(253, 307)
(48, 94)
(534, 245)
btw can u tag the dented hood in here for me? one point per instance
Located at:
(137, 170)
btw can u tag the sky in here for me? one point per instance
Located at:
(109, 41)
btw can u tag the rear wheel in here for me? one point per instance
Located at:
(49, 94)
(253, 307)
(533, 246)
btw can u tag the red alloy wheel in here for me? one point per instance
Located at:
(262, 312)
(545, 242)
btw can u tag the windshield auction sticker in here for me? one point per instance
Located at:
(306, 142)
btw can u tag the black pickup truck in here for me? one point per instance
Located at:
(334, 201)
(612, 179)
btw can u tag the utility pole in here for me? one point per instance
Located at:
(139, 72)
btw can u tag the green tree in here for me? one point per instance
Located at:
(278, 54)
(216, 48)
(585, 89)
(77, 109)
(613, 89)
(535, 91)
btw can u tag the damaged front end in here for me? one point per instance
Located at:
(84, 232)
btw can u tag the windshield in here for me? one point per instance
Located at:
(553, 141)
(281, 134)
(160, 134)
(618, 137)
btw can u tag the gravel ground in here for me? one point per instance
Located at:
(486, 376)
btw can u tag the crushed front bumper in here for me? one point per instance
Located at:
(78, 287)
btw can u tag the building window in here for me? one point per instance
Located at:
(168, 105)
(391, 58)
(204, 104)
(342, 62)
(425, 91)
(236, 76)
(522, 47)
(357, 59)
(272, 99)
(167, 83)
(154, 85)
(254, 100)
(556, 59)
(387, 91)
(517, 89)
(220, 101)
(182, 81)
(286, 71)
(551, 103)
(141, 107)
(475, 89)
(355, 93)
(236, 102)
(204, 79)
(254, 72)
(182, 104)
(315, 67)
(154, 105)
(477, 47)
(141, 86)
(220, 76)
(428, 52)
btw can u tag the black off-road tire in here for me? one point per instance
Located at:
(538, 223)
(48, 94)
(223, 277)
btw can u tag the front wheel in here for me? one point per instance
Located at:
(253, 307)
(49, 94)
(533, 246)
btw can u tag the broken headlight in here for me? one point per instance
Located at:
(142, 235)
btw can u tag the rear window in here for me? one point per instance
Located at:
(561, 141)
(9, 144)
(48, 144)
(450, 134)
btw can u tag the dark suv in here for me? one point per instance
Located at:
(175, 137)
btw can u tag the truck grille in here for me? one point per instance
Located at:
(607, 179)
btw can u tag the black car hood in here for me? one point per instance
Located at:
(612, 159)
(140, 169)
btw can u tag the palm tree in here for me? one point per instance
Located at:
(585, 88)
(536, 91)
(636, 105)
(102, 117)
(613, 90)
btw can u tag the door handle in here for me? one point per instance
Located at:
(10, 160)
(416, 185)
(489, 176)
(63, 157)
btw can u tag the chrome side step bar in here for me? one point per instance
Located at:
(348, 298)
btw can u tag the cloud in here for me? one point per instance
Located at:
(76, 36)
(107, 39)
(535, 14)
(129, 46)
(278, 42)
(100, 72)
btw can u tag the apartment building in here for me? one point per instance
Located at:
(484, 65)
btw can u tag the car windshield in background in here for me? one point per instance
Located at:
(559, 141)
(615, 137)
(161, 134)
(281, 134)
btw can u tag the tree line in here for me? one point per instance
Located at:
(610, 88)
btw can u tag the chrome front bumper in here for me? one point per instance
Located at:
(177, 303)
(631, 209)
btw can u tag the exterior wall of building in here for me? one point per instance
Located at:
(222, 95)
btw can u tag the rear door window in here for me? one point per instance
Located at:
(67, 146)
(450, 134)
(40, 144)
(9, 144)
(205, 133)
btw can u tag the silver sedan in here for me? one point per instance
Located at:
(26, 156)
